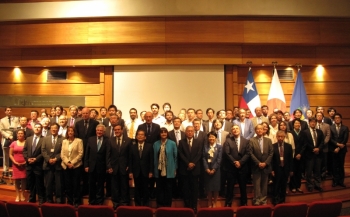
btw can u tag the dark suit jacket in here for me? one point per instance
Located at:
(228, 126)
(28, 133)
(342, 138)
(144, 165)
(27, 153)
(303, 125)
(155, 133)
(47, 154)
(327, 121)
(232, 154)
(171, 135)
(186, 156)
(298, 142)
(96, 160)
(215, 161)
(287, 158)
(258, 157)
(118, 158)
(309, 143)
(91, 131)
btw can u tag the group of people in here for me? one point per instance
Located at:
(61, 159)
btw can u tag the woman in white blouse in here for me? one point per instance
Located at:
(72, 154)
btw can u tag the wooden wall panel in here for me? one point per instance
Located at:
(292, 32)
(200, 31)
(334, 31)
(7, 35)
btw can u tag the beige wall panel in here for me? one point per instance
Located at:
(293, 32)
(222, 31)
(52, 33)
(49, 89)
(93, 101)
(126, 32)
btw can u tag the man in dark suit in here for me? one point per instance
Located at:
(23, 125)
(34, 167)
(261, 156)
(95, 164)
(117, 165)
(85, 129)
(112, 110)
(282, 167)
(313, 141)
(141, 168)
(339, 138)
(326, 130)
(103, 115)
(325, 119)
(208, 124)
(152, 135)
(226, 125)
(190, 152)
(297, 115)
(237, 154)
(51, 151)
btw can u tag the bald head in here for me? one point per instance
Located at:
(85, 113)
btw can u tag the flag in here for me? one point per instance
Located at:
(299, 97)
(250, 98)
(276, 96)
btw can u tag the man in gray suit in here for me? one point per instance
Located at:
(51, 152)
(259, 118)
(261, 155)
(245, 125)
(326, 130)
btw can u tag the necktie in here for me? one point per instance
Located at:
(98, 144)
(148, 129)
(86, 125)
(118, 143)
(237, 144)
(196, 135)
(10, 121)
(140, 151)
(131, 130)
(319, 126)
(337, 127)
(189, 144)
(314, 136)
(177, 137)
(261, 145)
(53, 142)
(71, 122)
(34, 144)
(281, 155)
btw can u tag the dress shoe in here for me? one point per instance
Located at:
(310, 189)
(299, 190)
(342, 185)
(334, 184)
(319, 189)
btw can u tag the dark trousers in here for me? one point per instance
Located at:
(223, 181)
(53, 183)
(120, 189)
(141, 195)
(338, 167)
(72, 185)
(164, 191)
(295, 180)
(313, 168)
(280, 185)
(108, 184)
(36, 185)
(190, 190)
(177, 186)
(232, 178)
(96, 187)
(324, 164)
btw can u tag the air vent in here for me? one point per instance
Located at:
(285, 74)
(56, 75)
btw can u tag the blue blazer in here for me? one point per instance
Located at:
(248, 128)
(216, 161)
(171, 158)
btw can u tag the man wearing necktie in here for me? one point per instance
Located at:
(282, 167)
(118, 166)
(34, 167)
(73, 110)
(339, 138)
(95, 162)
(23, 125)
(261, 156)
(326, 130)
(237, 154)
(313, 148)
(190, 153)
(141, 168)
(51, 151)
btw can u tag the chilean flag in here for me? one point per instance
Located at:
(276, 96)
(250, 98)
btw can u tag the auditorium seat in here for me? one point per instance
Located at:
(290, 210)
(329, 208)
(248, 211)
(134, 211)
(95, 211)
(210, 212)
(174, 212)
(3, 210)
(20, 209)
(57, 210)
